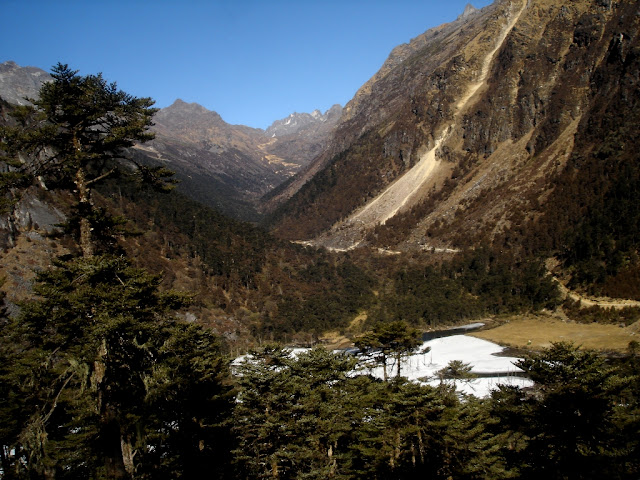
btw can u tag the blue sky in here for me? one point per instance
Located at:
(251, 61)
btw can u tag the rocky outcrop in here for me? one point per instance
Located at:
(31, 215)
(18, 83)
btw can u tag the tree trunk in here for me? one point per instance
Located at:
(332, 460)
(110, 444)
(413, 455)
(116, 452)
(84, 210)
(128, 453)
(99, 371)
(420, 446)
(384, 367)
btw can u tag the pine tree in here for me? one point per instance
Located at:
(102, 381)
(455, 371)
(114, 377)
(472, 448)
(389, 340)
(569, 427)
(294, 414)
(12, 403)
(73, 136)
(188, 404)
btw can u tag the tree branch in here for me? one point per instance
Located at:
(101, 177)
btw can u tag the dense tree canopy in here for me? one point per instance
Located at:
(578, 421)
(107, 380)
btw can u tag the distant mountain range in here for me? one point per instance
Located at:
(225, 166)
(515, 126)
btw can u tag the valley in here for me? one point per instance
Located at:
(438, 178)
(431, 177)
(486, 176)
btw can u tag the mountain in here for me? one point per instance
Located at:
(229, 167)
(297, 122)
(302, 136)
(218, 164)
(464, 133)
(377, 99)
(17, 82)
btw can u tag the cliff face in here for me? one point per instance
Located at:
(460, 135)
(17, 82)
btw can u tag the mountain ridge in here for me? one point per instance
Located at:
(359, 115)
(229, 167)
(402, 112)
(246, 161)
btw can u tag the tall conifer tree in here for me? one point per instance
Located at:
(103, 379)
(73, 136)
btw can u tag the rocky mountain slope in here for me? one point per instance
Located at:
(231, 166)
(18, 82)
(460, 135)
(301, 137)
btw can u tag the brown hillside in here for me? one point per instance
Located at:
(497, 100)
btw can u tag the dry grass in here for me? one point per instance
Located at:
(527, 332)
(18, 266)
(539, 331)
(335, 340)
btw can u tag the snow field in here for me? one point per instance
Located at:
(480, 354)
(423, 367)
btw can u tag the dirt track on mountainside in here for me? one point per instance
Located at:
(616, 303)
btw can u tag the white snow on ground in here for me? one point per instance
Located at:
(480, 354)
(423, 367)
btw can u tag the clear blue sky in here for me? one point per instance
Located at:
(252, 61)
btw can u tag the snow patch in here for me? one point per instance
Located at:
(482, 355)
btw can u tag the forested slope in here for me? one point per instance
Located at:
(538, 160)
